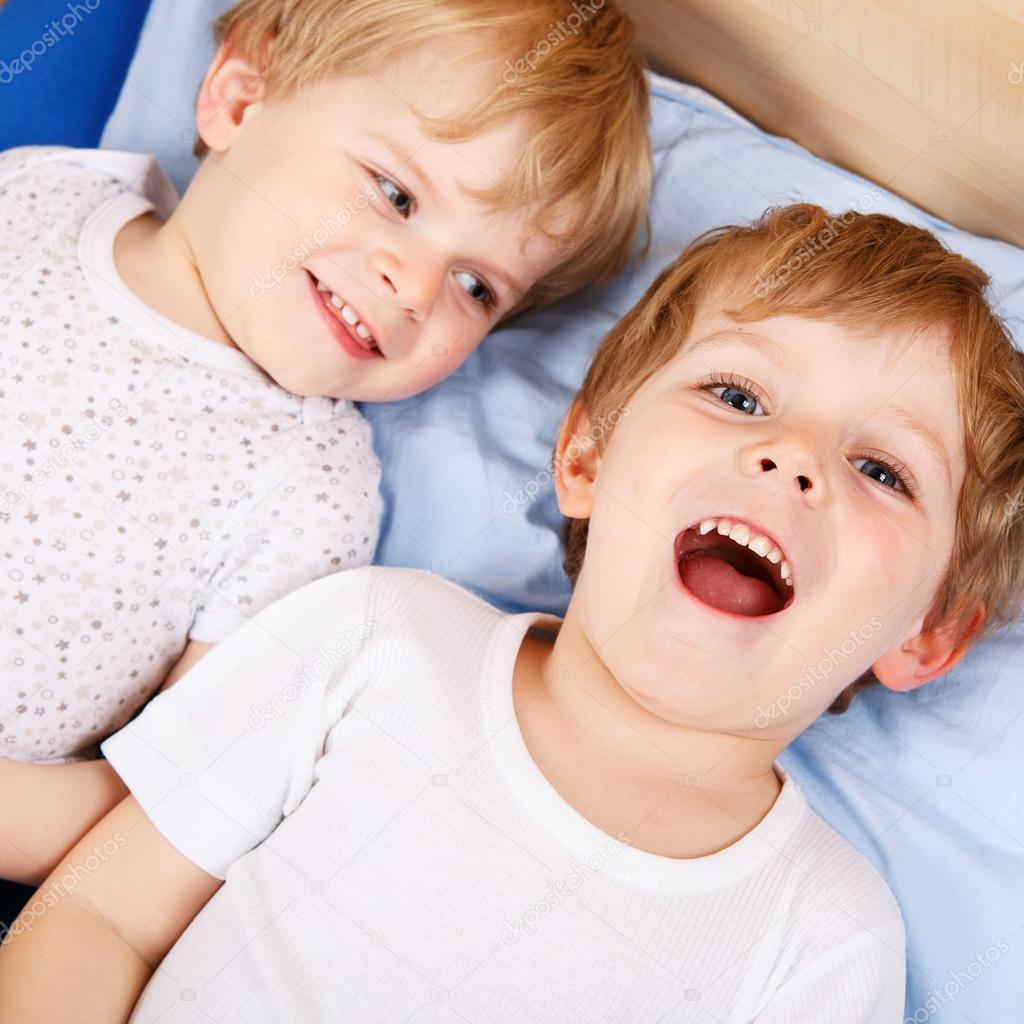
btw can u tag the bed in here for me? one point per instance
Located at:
(925, 100)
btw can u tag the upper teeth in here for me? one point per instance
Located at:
(761, 545)
(348, 314)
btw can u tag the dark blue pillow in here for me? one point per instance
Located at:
(62, 65)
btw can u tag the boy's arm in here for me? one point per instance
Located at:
(217, 762)
(45, 808)
(108, 930)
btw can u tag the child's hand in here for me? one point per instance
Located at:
(46, 808)
(108, 931)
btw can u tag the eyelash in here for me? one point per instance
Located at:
(490, 302)
(893, 466)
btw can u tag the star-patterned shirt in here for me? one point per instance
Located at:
(155, 486)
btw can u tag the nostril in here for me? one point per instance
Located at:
(389, 282)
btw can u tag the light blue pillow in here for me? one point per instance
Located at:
(926, 784)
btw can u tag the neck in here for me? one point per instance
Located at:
(157, 263)
(581, 691)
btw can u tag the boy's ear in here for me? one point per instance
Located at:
(576, 462)
(232, 85)
(926, 656)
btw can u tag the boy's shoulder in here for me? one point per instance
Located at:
(22, 159)
(422, 603)
(401, 625)
(69, 168)
(836, 884)
(409, 602)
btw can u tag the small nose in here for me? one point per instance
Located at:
(412, 283)
(804, 481)
(792, 459)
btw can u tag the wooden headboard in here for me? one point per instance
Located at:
(925, 97)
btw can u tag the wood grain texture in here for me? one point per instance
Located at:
(925, 97)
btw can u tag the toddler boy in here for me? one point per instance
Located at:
(180, 445)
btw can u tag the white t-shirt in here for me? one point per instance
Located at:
(155, 485)
(351, 763)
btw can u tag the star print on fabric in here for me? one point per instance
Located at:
(160, 496)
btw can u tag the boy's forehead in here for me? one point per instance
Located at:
(790, 342)
(440, 80)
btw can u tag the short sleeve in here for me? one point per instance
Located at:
(219, 759)
(859, 981)
(315, 511)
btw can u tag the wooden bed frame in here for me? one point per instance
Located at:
(925, 97)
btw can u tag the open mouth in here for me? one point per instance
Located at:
(730, 577)
(344, 322)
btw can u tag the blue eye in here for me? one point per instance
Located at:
(400, 200)
(891, 469)
(742, 395)
(477, 289)
(746, 393)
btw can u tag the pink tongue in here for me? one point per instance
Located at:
(718, 584)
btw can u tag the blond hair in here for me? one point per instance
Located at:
(574, 71)
(863, 271)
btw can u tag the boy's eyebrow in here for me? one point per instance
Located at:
(776, 354)
(405, 159)
(513, 285)
(906, 419)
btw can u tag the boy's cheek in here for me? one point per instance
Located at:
(441, 356)
(643, 477)
(625, 551)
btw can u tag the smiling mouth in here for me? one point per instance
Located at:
(344, 320)
(728, 577)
